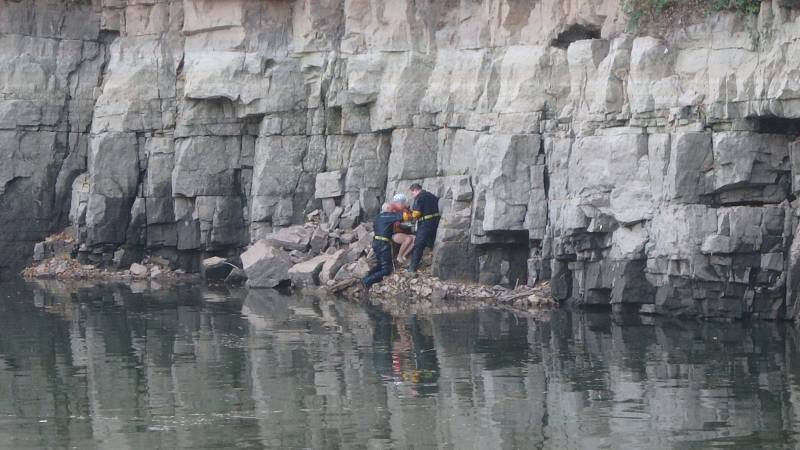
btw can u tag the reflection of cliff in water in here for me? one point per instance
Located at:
(117, 369)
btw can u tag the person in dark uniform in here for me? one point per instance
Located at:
(426, 211)
(382, 245)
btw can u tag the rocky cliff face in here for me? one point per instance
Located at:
(52, 56)
(642, 172)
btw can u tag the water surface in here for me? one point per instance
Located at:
(188, 368)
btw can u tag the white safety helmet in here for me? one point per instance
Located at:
(400, 198)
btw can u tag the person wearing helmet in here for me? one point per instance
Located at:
(403, 235)
(400, 199)
(382, 245)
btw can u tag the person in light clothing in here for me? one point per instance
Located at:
(403, 236)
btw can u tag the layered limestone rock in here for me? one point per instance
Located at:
(51, 60)
(654, 172)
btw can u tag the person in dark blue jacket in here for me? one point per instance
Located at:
(426, 211)
(382, 245)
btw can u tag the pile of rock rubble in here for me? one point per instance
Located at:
(63, 267)
(54, 258)
(425, 290)
(300, 256)
(310, 256)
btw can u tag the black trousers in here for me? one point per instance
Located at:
(383, 252)
(426, 237)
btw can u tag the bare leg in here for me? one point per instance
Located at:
(400, 239)
(407, 246)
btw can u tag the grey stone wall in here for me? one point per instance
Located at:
(51, 60)
(630, 170)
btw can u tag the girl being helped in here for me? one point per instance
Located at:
(402, 233)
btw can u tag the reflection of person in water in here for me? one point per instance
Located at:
(403, 353)
(409, 362)
(401, 346)
(381, 339)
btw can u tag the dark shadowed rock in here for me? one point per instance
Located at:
(455, 261)
(215, 268)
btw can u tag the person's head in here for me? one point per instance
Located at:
(415, 189)
(400, 200)
(386, 207)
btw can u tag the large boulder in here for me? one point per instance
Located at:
(138, 270)
(319, 239)
(265, 265)
(236, 277)
(215, 268)
(332, 265)
(306, 273)
(357, 269)
(351, 216)
(295, 237)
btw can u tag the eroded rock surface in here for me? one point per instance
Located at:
(629, 170)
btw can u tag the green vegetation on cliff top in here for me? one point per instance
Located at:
(650, 12)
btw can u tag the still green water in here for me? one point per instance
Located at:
(187, 368)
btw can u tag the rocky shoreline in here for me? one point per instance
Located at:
(66, 268)
(404, 288)
(53, 259)
(308, 258)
